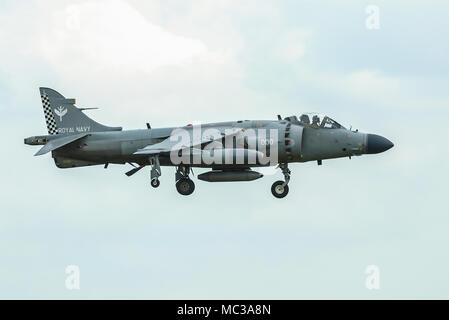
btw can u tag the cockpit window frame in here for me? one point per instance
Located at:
(318, 121)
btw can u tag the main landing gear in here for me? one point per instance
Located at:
(184, 184)
(279, 189)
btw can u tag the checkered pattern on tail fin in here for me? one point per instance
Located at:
(49, 118)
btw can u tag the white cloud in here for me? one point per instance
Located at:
(359, 85)
(91, 49)
(369, 82)
(379, 88)
(112, 34)
(291, 46)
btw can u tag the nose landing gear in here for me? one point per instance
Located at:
(279, 189)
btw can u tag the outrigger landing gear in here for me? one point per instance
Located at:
(184, 184)
(155, 183)
(155, 171)
(279, 189)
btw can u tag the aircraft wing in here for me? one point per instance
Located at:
(169, 145)
(59, 142)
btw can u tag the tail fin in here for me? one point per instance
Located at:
(63, 117)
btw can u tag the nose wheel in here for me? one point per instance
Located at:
(279, 189)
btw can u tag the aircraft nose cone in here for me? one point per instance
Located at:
(377, 144)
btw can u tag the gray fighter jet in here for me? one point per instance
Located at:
(229, 149)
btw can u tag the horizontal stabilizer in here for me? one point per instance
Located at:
(60, 142)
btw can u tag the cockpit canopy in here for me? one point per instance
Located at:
(315, 120)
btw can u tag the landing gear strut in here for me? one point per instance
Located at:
(155, 172)
(184, 184)
(279, 189)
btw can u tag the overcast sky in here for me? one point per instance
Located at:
(176, 62)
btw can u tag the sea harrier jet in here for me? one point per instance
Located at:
(230, 149)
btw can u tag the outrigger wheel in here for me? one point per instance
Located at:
(155, 183)
(279, 189)
(185, 186)
(155, 172)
